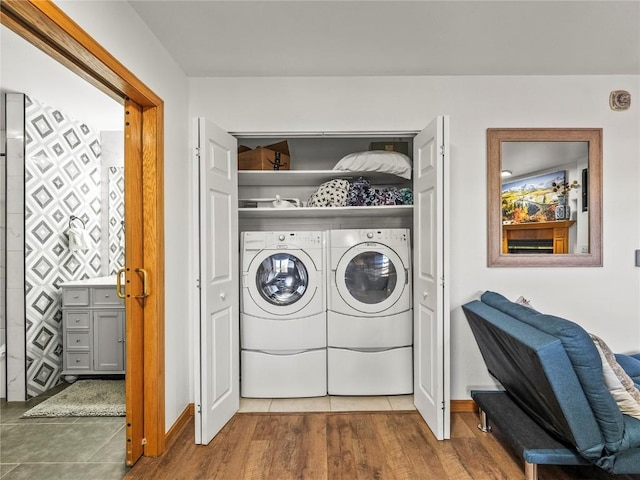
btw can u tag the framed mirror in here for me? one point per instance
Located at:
(544, 197)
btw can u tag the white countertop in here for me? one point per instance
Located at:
(108, 281)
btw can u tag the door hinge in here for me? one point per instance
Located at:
(198, 408)
(442, 150)
(198, 283)
(144, 441)
(197, 149)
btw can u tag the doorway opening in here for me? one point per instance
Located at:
(48, 28)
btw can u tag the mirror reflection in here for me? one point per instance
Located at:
(544, 197)
(543, 210)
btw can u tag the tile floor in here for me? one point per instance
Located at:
(67, 448)
(327, 404)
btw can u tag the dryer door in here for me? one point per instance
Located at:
(282, 282)
(370, 277)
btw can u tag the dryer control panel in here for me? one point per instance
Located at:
(386, 236)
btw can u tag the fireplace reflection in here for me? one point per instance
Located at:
(537, 237)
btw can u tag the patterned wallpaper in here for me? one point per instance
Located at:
(62, 178)
(116, 219)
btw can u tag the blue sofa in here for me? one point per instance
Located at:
(555, 407)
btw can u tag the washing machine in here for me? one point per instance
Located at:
(370, 315)
(283, 337)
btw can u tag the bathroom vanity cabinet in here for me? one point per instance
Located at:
(93, 328)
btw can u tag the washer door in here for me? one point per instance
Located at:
(282, 282)
(370, 277)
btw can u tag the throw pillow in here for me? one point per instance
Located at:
(618, 382)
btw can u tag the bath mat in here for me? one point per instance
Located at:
(85, 398)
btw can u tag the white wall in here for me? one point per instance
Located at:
(117, 27)
(26, 69)
(604, 300)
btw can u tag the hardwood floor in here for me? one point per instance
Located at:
(345, 446)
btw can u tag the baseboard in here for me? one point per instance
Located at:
(185, 417)
(463, 406)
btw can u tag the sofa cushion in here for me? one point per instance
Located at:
(618, 382)
(585, 360)
(535, 370)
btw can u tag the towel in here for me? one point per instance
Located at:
(78, 239)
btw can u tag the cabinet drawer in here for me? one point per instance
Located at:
(78, 361)
(75, 296)
(77, 340)
(76, 319)
(106, 296)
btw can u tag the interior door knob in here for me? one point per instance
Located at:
(425, 294)
(223, 295)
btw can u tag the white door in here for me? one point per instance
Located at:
(218, 378)
(430, 266)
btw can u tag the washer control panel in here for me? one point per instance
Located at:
(257, 240)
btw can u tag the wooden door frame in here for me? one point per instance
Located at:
(46, 26)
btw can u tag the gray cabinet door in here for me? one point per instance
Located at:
(108, 340)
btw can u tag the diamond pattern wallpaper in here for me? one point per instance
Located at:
(62, 178)
(116, 219)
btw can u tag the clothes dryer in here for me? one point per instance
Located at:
(370, 316)
(283, 314)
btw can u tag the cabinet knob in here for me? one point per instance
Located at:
(106, 296)
(75, 296)
(77, 320)
(77, 360)
(77, 340)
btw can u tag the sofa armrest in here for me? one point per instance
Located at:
(631, 365)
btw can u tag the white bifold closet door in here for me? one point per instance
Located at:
(430, 267)
(218, 368)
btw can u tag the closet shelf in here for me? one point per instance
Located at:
(251, 178)
(327, 212)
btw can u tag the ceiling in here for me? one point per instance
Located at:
(377, 38)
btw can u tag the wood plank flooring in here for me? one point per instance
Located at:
(345, 446)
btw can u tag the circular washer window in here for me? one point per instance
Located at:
(282, 279)
(370, 277)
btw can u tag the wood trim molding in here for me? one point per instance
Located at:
(463, 406)
(185, 417)
(46, 26)
(153, 233)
